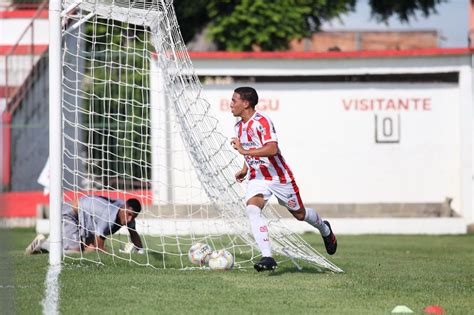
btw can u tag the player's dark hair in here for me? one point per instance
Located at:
(135, 205)
(248, 94)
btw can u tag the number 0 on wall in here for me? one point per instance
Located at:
(387, 128)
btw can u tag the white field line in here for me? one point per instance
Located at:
(51, 297)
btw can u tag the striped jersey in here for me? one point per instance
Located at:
(254, 134)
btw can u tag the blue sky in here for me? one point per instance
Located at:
(451, 22)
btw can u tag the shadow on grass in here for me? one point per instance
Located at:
(157, 256)
(282, 270)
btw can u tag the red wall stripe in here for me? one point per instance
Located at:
(7, 90)
(329, 54)
(23, 14)
(22, 49)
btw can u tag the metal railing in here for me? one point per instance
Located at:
(15, 71)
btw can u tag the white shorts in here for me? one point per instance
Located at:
(288, 194)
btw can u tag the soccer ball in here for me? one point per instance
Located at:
(221, 260)
(199, 253)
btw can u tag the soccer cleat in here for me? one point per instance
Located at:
(35, 246)
(330, 241)
(266, 263)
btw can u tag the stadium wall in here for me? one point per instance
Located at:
(363, 130)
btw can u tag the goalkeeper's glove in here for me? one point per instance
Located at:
(130, 248)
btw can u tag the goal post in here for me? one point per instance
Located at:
(127, 129)
(55, 135)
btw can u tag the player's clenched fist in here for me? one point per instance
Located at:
(235, 142)
(240, 175)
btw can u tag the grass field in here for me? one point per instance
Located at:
(380, 273)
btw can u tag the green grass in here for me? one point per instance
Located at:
(380, 273)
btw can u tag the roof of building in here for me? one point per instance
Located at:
(330, 54)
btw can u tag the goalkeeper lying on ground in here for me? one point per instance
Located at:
(87, 221)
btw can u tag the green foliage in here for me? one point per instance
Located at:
(118, 107)
(269, 25)
(245, 25)
(192, 17)
(404, 9)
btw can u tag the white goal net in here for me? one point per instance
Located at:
(130, 131)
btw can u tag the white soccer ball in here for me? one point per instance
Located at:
(221, 260)
(199, 253)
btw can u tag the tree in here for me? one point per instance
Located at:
(247, 24)
(192, 17)
(404, 9)
(243, 25)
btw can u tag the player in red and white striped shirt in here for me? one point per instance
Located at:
(268, 174)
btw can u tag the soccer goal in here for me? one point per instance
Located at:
(121, 129)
